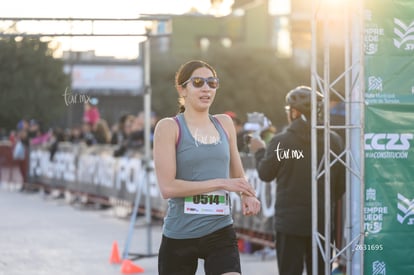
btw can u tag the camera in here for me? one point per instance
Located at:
(256, 123)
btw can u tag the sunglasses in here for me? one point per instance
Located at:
(198, 82)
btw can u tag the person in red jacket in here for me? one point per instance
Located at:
(91, 113)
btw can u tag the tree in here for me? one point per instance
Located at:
(32, 82)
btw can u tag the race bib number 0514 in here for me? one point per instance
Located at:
(213, 203)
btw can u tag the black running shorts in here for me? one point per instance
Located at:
(218, 249)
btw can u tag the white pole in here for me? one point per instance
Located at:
(348, 225)
(327, 143)
(357, 138)
(147, 135)
(314, 174)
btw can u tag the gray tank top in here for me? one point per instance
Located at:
(197, 161)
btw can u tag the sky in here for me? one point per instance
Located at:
(121, 47)
(92, 8)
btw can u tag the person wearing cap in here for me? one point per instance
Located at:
(287, 159)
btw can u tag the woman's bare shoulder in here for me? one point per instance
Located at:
(166, 128)
(166, 122)
(224, 119)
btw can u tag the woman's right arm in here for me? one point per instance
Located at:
(165, 137)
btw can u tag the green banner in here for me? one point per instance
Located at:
(389, 190)
(389, 137)
(389, 51)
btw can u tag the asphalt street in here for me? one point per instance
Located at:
(44, 235)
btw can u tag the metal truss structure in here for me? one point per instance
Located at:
(79, 27)
(350, 14)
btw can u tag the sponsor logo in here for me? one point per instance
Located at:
(374, 83)
(405, 35)
(372, 35)
(378, 268)
(387, 145)
(374, 212)
(371, 194)
(387, 141)
(406, 210)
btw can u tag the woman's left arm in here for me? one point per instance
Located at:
(250, 204)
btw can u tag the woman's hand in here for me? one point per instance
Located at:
(239, 185)
(250, 205)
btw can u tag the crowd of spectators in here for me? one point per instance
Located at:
(125, 134)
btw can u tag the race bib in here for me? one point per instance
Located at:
(213, 203)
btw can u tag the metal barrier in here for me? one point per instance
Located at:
(93, 173)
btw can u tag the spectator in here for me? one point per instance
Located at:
(36, 134)
(101, 132)
(57, 137)
(287, 159)
(76, 135)
(91, 113)
(87, 134)
(122, 129)
(239, 130)
(12, 137)
(34, 129)
(21, 154)
(136, 138)
(258, 125)
(124, 138)
(268, 133)
(23, 124)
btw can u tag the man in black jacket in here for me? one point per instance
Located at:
(288, 160)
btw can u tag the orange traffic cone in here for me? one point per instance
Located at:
(115, 258)
(128, 267)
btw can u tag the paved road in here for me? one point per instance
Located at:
(40, 235)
